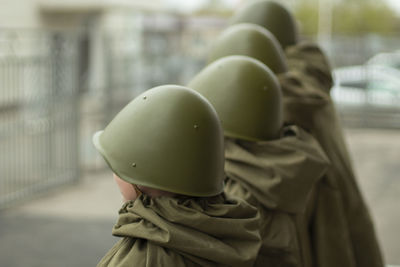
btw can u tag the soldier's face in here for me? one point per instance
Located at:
(127, 190)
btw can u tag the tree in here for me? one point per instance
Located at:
(349, 17)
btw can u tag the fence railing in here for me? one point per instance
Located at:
(39, 117)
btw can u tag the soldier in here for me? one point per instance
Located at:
(271, 166)
(255, 41)
(165, 149)
(349, 239)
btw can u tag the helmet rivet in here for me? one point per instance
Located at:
(134, 164)
(145, 97)
(196, 126)
(265, 88)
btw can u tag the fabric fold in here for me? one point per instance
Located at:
(183, 231)
(343, 230)
(278, 173)
(278, 177)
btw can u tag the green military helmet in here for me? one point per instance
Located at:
(246, 95)
(272, 16)
(168, 138)
(250, 40)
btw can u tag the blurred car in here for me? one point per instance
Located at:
(377, 85)
(391, 60)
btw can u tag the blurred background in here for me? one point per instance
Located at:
(67, 67)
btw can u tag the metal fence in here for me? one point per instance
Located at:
(38, 113)
(368, 116)
(346, 50)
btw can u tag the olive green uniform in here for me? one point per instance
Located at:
(342, 230)
(164, 231)
(277, 176)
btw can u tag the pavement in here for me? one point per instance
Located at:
(376, 155)
(71, 226)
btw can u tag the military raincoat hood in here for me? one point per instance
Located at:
(342, 229)
(185, 231)
(277, 176)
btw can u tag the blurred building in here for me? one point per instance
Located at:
(66, 68)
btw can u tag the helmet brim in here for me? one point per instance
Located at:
(97, 143)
